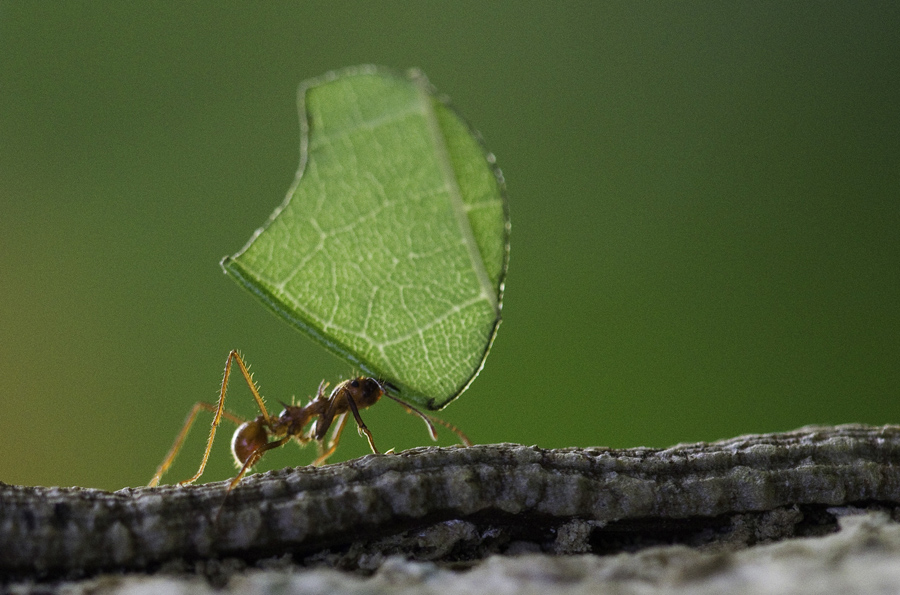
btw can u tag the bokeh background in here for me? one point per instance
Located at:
(705, 201)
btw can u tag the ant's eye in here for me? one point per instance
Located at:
(354, 383)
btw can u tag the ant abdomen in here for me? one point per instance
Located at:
(247, 439)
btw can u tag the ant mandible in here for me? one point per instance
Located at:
(251, 440)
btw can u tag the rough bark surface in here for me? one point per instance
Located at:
(458, 506)
(862, 559)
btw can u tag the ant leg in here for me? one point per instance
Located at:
(360, 424)
(179, 440)
(332, 443)
(326, 419)
(248, 377)
(428, 419)
(233, 355)
(254, 459)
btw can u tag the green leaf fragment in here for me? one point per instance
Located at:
(391, 247)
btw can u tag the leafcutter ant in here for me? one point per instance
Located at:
(255, 437)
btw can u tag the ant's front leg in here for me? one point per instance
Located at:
(360, 424)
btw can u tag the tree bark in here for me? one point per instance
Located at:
(458, 505)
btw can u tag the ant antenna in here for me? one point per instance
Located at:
(426, 418)
(410, 409)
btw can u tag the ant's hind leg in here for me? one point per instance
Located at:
(233, 356)
(251, 460)
(179, 440)
(254, 459)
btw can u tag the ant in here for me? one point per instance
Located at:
(251, 439)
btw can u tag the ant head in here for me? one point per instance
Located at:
(365, 390)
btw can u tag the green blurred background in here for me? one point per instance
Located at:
(705, 201)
